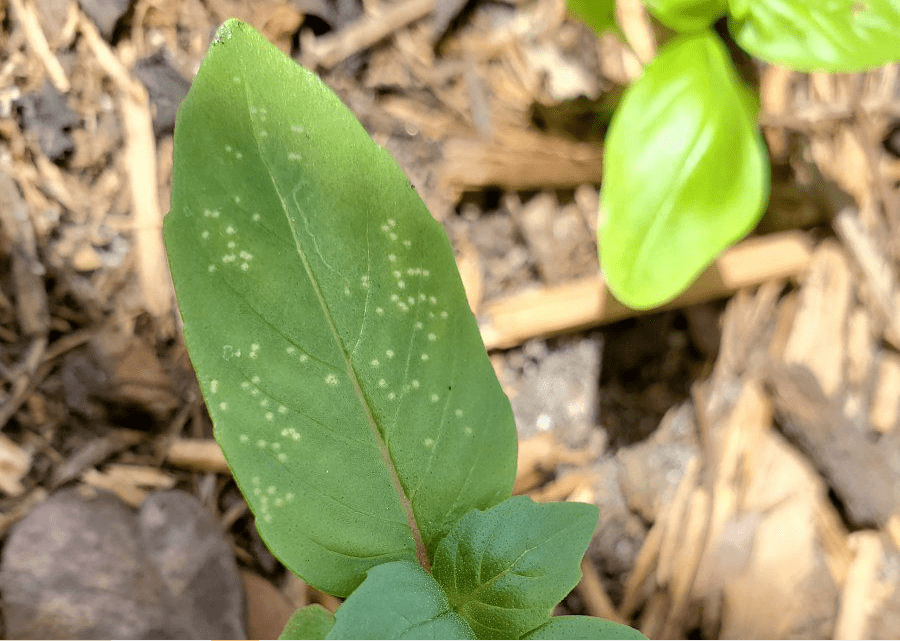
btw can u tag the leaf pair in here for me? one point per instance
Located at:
(344, 371)
(686, 172)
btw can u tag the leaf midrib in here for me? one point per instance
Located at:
(421, 553)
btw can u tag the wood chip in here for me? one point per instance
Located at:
(140, 162)
(817, 340)
(596, 600)
(27, 271)
(37, 41)
(878, 274)
(128, 492)
(329, 50)
(857, 469)
(884, 413)
(523, 161)
(14, 465)
(857, 597)
(510, 321)
(201, 454)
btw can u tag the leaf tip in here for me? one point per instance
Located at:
(226, 31)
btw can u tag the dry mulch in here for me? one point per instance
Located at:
(742, 443)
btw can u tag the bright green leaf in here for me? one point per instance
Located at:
(687, 15)
(599, 15)
(685, 172)
(826, 35)
(311, 622)
(327, 323)
(579, 627)
(398, 600)
(504, 569)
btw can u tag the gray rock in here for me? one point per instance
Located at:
(166, 89)
(47, 116)
(652, 469)
(106, 14)
(89, 567)
(561, 393)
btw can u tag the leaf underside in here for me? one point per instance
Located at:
(326, 320)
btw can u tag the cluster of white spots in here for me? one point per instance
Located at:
(231, 150)
(232, 255)
(270, 447)
(331, 380)
(291, 433)
(293, 351)
(268, 498)
(254, 350)
(213, 386)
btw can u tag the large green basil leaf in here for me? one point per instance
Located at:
(686, 172)
(826, 35)
(326, 320)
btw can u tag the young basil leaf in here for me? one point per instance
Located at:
(581, 627)
(599, 15)
(398, 600)
(685, 172)
(311, 622)
(505, 568)
(326, 320)
(826, 35)
(687, 15)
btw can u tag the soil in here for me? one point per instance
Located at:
(741, 443)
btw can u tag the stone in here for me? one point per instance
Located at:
(561, 394)
(84, 565)
(166, 88)
(47, 116)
